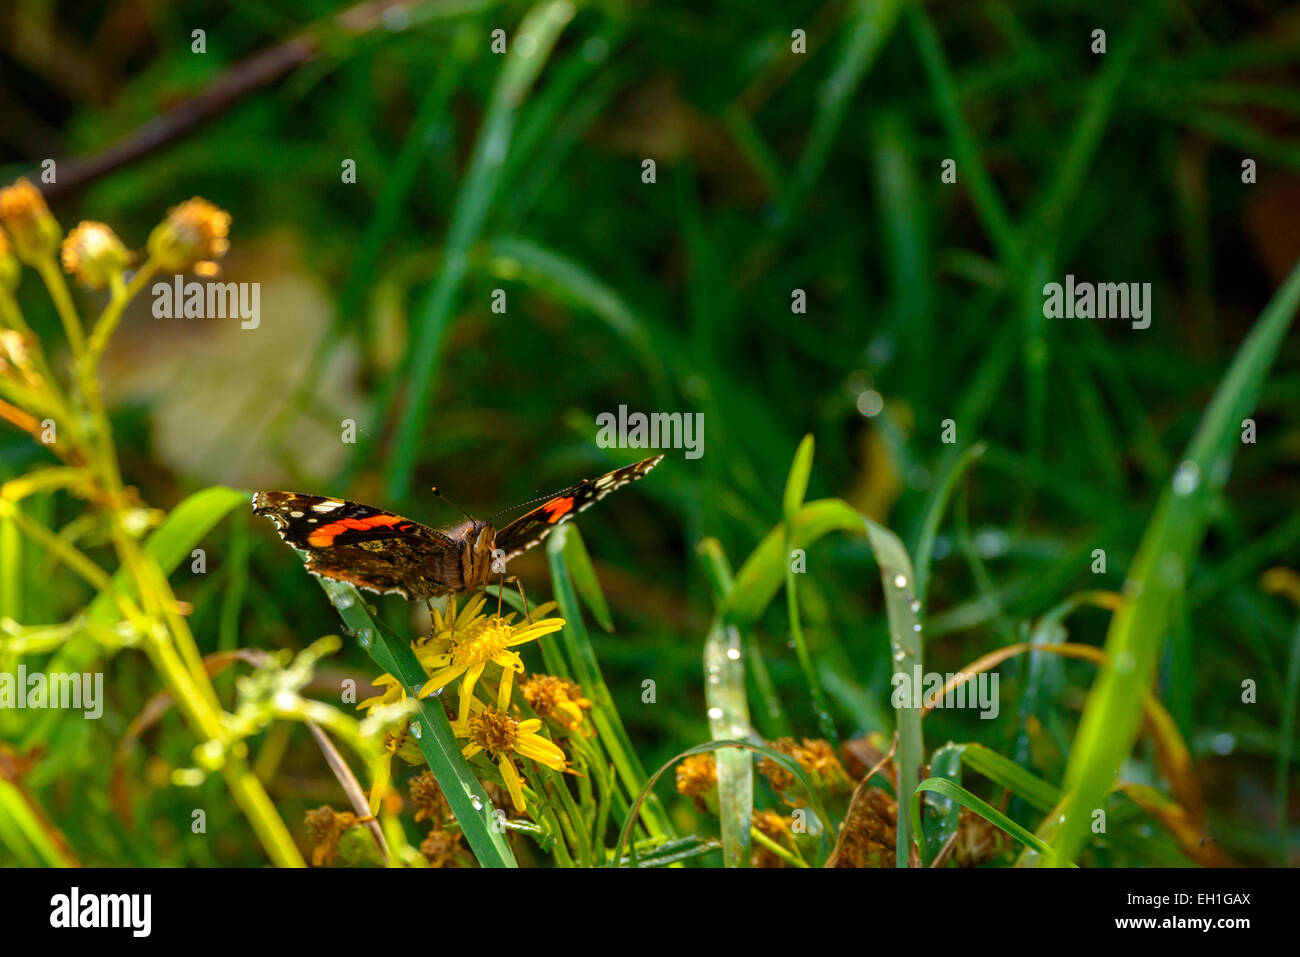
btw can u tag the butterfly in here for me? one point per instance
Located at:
(391, 555)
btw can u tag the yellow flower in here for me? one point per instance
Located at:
(34, 230)
(397, 741)
(93, 253)
(495, 732)
(559, 699)
(192, 236)
(463, 645)
(393, 693)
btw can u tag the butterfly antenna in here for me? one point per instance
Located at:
(534, 501)
(452, 504)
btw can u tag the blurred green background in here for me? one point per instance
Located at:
(775, 172)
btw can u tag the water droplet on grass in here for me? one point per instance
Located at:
(1187, 478)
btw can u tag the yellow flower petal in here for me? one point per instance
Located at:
(440, 679)
(511, 778)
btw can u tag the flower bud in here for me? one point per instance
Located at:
(93, 253)
(192, 235)
(34, 231)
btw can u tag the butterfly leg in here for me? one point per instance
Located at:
(514, 580)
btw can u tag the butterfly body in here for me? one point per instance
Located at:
(388, 554)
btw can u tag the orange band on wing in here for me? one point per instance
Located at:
(557, 508)
(326, 534)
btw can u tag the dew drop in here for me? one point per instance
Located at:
(365, 637)
(715, 714)
(733, 654)
(1187, 477)
(915, 606)
(900, 581)
(474, 800)
(1223, 743)
(417, 730)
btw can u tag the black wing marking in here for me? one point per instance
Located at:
(527, 530)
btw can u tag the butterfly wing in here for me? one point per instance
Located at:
(373, 549)
(529, 529)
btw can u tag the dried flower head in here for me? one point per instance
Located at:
(868, 834)
(34, 231)
(443, 849)
(93, 253)
(697, 775)
(977, 840)
(776, 828)
(191, 237)
(430, 803)
(817, 759)
(325, 826)
(558, 699)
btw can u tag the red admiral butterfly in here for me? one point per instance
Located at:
(388, 554)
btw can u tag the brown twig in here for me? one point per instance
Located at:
(239, 81)
(351, 786)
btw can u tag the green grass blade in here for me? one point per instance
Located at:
(1159, 571)
(529, 49)
(584, 578)
(168, 545)
(796, 484)
(1004, 772)
(795, 488)
(173, 541)
(945, 814)
(905, 657)
(586, 671)
(1285, 737)
(728, 714)
(934, 509)
(558, 274)
(870, 24)
(829, 825)
(464, 793)
(773, 721)
(988, 203)
(969, 801)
